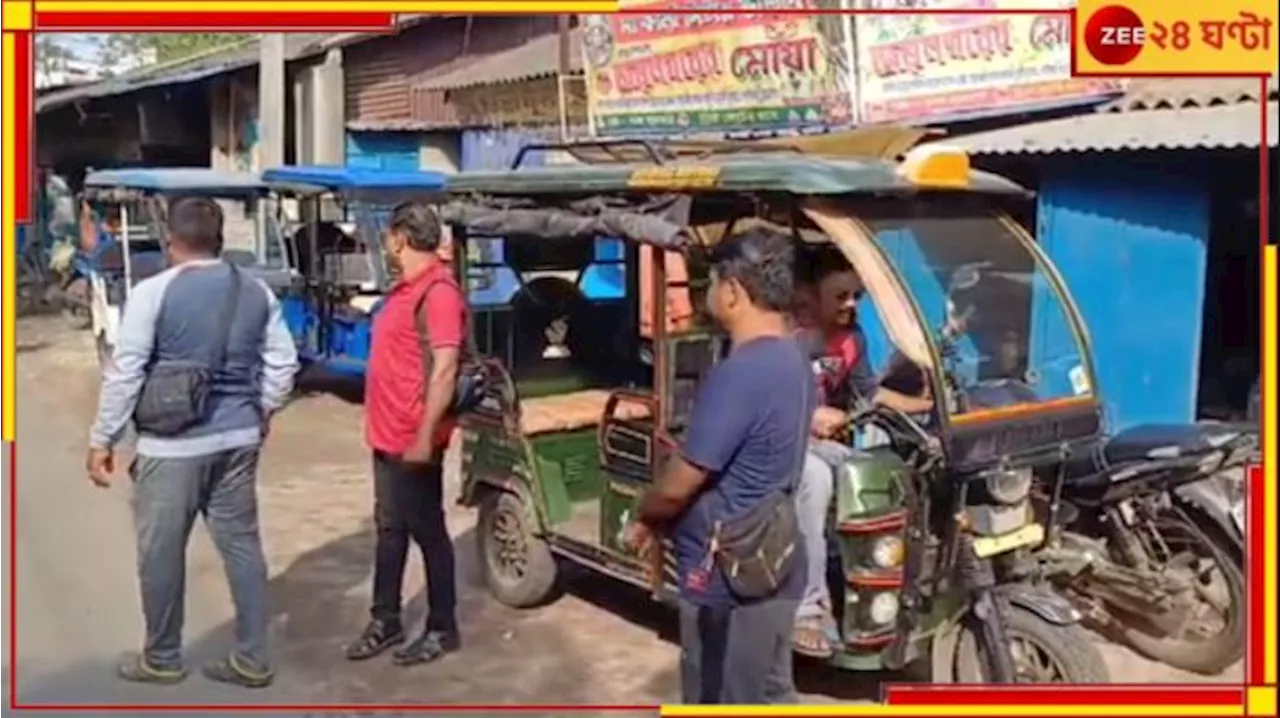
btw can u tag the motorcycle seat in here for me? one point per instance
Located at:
(1147, 442)
(1154, 442)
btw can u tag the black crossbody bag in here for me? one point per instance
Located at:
(175, 398)
(468, 390)
(757, 549)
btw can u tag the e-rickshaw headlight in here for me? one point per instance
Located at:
(887, 552)
(1009, 487)
(883, 608)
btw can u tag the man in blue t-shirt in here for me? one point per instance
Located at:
(745, 441)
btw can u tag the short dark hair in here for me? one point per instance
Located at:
(818, 263)
(761, 260)
(196, 223)
(419, 224)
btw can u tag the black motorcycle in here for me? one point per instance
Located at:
(1145, 537)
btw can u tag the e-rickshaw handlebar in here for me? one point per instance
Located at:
(900, 427)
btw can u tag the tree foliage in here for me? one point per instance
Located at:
(129, 48)
(50, 55)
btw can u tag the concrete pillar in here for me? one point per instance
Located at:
(271, 100)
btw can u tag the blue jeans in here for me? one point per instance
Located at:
(168, 493)
(813, 502)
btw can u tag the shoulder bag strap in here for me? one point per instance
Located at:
(806, 421)
(424, 332)
(218, 354)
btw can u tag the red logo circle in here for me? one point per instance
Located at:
(1114, 35)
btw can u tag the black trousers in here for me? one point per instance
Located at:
(409, 503)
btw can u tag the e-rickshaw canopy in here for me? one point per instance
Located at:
(307, 179)
(177, 180)
(764, 170)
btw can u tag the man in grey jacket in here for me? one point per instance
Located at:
(211, 467)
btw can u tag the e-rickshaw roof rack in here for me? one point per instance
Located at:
(882, 142)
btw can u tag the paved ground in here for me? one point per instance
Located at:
(78, 608)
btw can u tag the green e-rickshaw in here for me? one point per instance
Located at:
(589, 396)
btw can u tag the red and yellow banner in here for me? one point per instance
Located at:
(687, 66)
(1176, 37)
(1005, 56)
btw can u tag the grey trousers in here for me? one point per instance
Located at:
(167, 496)
(737, 656)
(813, 502)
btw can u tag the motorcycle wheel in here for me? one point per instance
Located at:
(1213, 568)
(1043, 652)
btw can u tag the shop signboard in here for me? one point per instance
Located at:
(716, 72)
(930, 67)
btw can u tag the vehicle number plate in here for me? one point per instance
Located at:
(1028, 535)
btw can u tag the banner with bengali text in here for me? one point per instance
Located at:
(716, 72)
(929, 67)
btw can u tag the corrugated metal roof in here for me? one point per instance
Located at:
(1220, 127)
(1185, 92)
(400, 124)
(537, 58)
(232, 58)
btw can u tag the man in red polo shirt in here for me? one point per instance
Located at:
(408, 430)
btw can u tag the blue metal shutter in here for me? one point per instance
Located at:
(1131, 244)
(497, 149)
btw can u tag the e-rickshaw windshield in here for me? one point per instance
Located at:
(1000, 321)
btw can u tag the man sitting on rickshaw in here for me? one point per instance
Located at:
(828, 291)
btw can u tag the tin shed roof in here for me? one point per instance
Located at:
(1218, 127)
(537, 58)
(227, 59)
(1185, 92)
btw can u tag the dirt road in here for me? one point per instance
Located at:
(78, 606)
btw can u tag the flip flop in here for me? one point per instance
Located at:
(230, 670)
(810, 638)
(133, 667)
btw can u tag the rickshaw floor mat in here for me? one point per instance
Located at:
(573, 411)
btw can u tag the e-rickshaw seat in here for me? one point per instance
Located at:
(570, 412)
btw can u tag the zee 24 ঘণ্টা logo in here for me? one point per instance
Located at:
(1117, 35)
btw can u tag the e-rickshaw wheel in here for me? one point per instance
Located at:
(518, 566)
(1043, 652)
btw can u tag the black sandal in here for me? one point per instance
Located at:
(377, 637)
(231, 670)
(134, 668)
(428, 647)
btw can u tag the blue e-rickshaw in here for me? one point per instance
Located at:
(131, 209)
(335, 218)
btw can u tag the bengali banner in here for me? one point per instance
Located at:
(918, 68)
(714, 72)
